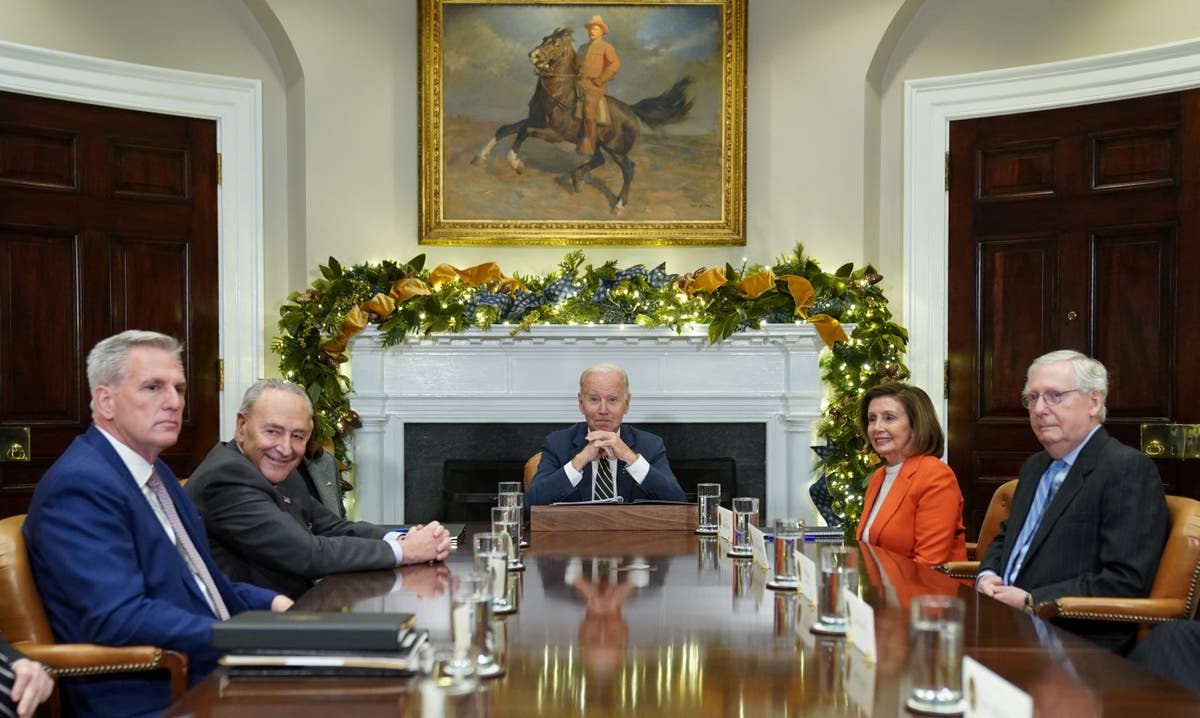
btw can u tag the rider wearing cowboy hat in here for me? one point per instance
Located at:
(598, 66)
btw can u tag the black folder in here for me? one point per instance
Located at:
(312, 631)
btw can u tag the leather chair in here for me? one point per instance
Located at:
(24, 624)
(998, 510)
(531, 468)
(1174, 592)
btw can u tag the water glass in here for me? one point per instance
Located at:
(470, 612)
(491, 562)
(839, 569)
(708, 497)
(517, 499)
(745, 515)
(506, 521)
(935, 654)
(509, 487)
(789, 535)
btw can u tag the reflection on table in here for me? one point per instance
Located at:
(663, 623)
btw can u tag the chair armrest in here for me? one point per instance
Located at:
(959, 569)
(971, 546)
(1129, 610)
(89, 659)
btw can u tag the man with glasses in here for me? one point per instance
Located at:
(1089, 517)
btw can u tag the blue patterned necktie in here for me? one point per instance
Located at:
(1047, 487)
(605, 488)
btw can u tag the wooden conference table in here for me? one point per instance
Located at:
(663, 623)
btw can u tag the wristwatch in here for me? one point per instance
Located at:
(1029, 603)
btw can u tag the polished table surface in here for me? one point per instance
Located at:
(664, 624)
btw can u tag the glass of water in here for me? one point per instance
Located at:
(839, 569)
(745, 515)
(491, 562)
(935, 654)
(470, 612)
(517, 499)
(708, 497)
(789, 535)
(506, 521)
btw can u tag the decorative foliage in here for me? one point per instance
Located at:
(401, 299)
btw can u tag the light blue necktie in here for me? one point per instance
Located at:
(1047, 487)
(605, 489)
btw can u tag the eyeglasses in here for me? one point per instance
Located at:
(1052, 398)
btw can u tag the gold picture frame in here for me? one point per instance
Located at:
(675, 175)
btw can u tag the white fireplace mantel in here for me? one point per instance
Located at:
(769, 375)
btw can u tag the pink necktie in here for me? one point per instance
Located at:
(186, 547)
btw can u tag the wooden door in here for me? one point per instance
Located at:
(107, 222)
(1074, 228)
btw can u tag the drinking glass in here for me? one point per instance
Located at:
(515, 498)
(839, 569)
(508, 487)
(491, 562)
(745, 515)
(470, 612)
(789, 534)
(708, 497)
(935, 654)
(506, 520)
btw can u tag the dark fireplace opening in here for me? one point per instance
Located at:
(469, 486)
(451, 470)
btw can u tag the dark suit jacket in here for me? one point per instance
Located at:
(550, 483)
(1102, 535)
(108, 574)
(277, 536)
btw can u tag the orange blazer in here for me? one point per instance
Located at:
(921, 516)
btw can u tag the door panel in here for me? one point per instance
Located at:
(1071, 229)
(107, 223)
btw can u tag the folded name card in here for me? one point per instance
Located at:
(725, 522)
(860, 624)
(987, 695)
(758, 543)
(806, 569)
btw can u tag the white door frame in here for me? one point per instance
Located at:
(929, 106)
(236, 105)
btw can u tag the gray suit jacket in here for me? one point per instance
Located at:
(1102, 535)
(324, 474)
(277, 536)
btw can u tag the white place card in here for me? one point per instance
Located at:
(987, 695)
(806, 569)
(725, 523)
(758, 545)
(860, 624)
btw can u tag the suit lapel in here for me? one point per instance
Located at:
(869, 500)
(1023, 500)
(895, 495)
(1070, 488)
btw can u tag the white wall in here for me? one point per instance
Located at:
(824, 115)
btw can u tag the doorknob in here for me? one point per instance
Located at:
(15, 440)
(1072, 316)
(1171, 441)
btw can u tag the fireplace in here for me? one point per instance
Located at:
(452, 469)
(490, 396)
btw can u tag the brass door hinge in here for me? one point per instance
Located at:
(947, 173)
(946, 379)
(220, 375)
(218, 168)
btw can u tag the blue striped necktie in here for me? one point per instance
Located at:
(1047, 487)
(605, 488)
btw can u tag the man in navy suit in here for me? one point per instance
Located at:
(1089, 517)
(636, 461)
(103, 533)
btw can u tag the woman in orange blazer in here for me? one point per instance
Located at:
(913, 505)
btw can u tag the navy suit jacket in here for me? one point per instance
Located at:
(1101, 535)
(550, 483)
(108, 574)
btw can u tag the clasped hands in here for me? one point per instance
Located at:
(425, 542)
(605, 444)
(993, 586)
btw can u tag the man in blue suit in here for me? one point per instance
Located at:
(117, 549)
(599, 459)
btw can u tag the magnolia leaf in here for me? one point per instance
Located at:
(417, 263)
(314, 391)
(327, 272)
(844, 270)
